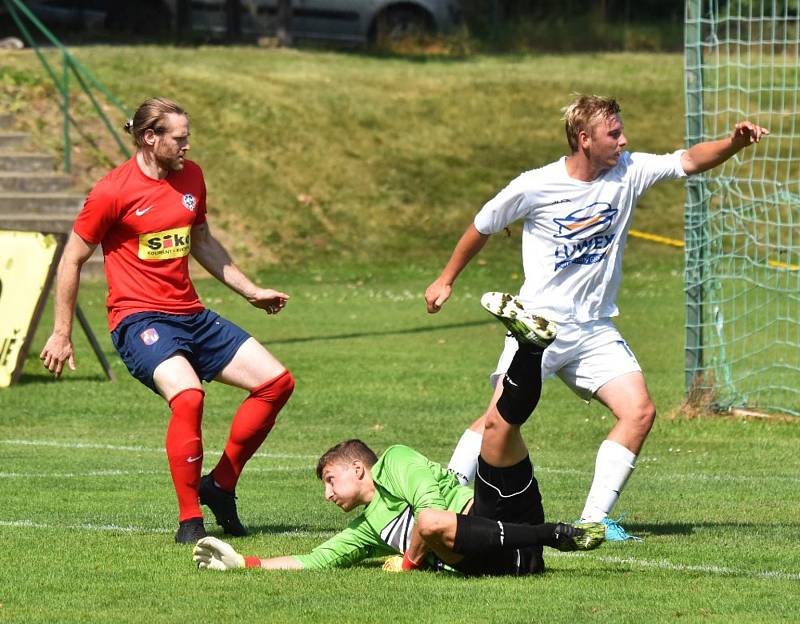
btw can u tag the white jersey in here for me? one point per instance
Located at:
(574, 233)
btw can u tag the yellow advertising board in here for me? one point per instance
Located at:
(27, 265)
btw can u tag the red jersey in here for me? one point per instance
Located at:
(144, 226)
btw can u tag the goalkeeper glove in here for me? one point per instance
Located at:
(211, 553)
(400, 564)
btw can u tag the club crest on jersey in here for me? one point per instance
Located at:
(175, 243)
(583, 234)
(189, 202)
(149, 336)
(586, 222)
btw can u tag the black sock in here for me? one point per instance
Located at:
(522, 385)
(479, 536)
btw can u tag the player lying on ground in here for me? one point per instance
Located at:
(576, 214)
(415, 507)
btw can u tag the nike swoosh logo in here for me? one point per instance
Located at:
(508, 379)
(142, 211)
(191, 460)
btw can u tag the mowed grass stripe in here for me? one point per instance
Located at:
(672, 476)
(137, 449)
(660, 564)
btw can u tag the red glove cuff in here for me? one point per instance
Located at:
(252, 562)
(410, 565)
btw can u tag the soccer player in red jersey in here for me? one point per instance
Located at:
(149, 214)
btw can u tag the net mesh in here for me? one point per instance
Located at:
(742, 238)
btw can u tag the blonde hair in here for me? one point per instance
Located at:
(151, 115)
(584, 113)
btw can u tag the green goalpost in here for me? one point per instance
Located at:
(742, 272)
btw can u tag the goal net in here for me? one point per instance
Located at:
(742, 275)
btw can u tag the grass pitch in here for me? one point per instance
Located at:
(88, 513)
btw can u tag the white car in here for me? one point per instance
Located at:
(349, 21)
(355, 21)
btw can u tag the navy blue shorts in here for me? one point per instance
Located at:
(145, 339)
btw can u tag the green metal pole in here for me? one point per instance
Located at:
(67, 143)
(696, 204)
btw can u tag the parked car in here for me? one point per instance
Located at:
(332, 20)
(351, 21)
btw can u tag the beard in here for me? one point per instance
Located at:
(169, 162)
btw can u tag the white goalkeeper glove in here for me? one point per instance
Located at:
(211, 553)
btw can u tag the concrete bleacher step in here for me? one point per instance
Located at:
(23, 162)
(33, 182)
(12, 140)
(33, 196)
(41, 203)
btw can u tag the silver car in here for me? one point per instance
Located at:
(354, 21)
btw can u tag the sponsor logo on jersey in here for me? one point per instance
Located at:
(164, 245)
(583, 234)
(586, 222)
(149, 336)
(189, 202)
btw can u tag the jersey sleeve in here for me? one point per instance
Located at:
(354, 543)
(647, 169)
(100, 211)
(412, 478)
(201, 205)
(509, 205)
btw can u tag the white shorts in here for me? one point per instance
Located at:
(584, 355)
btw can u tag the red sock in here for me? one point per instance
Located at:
(185, 450)
(251, 424)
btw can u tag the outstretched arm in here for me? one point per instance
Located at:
(210, 253)
(211, 553)
(707, 155)
(58, 349)
(470, 243)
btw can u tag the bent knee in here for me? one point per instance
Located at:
(431, 523)
(641, 416)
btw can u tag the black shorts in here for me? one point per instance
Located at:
(509, 495)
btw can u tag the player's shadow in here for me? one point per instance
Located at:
(284, 529)
(388, 332)
(33, 379)
(689, 528)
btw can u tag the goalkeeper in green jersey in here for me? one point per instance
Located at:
(417, 511)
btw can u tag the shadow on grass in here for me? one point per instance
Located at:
(390, 332)
(274, 529)
(33, 379)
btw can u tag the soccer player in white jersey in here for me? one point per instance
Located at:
(576, 213)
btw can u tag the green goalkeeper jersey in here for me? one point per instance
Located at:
(406, 482)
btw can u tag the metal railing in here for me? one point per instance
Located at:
(69, 66)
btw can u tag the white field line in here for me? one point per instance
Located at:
(126, 473)
(689, 476)
(664, 564)
(113, 528)
(136, 449)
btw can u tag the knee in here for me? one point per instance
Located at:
(492, 421)
(277, 389)
(430, 524)
(641, 417)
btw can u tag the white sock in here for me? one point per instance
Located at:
(612, 468)
(464, 462)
